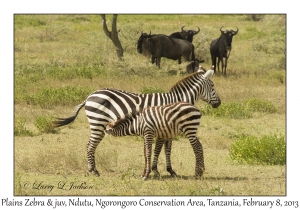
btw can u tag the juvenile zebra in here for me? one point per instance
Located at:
(164, 123)
(106, 105)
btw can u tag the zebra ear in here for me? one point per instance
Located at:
(209, 73)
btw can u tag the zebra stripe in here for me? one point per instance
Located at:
(164, 123)
(107, 105)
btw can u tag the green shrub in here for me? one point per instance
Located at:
(20, 129)
(230, 110)
(49, 97)
(149, 90)
(260, 105)
(270, 150)
(44, 124)
(240, 110)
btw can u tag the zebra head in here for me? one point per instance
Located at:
(208, 92)
(122, 127)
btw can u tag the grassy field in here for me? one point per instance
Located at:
(60, 59)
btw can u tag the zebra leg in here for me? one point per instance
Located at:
(157, 150)
(92, 144)
(145, 167)
(168, 148)
(147, 151)
(198, 151)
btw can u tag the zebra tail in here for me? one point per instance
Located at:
(65, 121)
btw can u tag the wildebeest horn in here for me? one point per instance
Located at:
(150, 33)
(237, 30)
(221, 29)
(182, 28)
(196, 32)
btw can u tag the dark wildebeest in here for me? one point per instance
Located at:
(185, 34)
(190, 69)
(220, 48)
(159, 45)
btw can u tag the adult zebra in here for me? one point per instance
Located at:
(107, 105)
(164, 123)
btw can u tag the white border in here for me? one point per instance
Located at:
(9, 8)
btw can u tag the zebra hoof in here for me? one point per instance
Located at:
(173, 174)
(95, 173)
(144, 178)
(199, 172)
(156, 173)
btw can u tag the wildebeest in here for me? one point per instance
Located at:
(159, 45)
(220, 48)
(185, 34)
(189, 67)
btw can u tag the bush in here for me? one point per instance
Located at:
(44, 124)
(49, 97)
(149, 90)
(20, 129)
(230, 110)
(259, 105)
(240, 110)
(270, 150)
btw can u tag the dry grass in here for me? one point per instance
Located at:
(52, 158)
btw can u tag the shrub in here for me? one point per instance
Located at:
(149, 90)
(48, 97)
(240, 110)
(270, 150)
(230, 110)
(44, 124)
(20, 129)
(260, 105)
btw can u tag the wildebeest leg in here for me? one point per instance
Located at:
(168, 148)
(157, 150)
(152, 59)
(179, 60)
(226, 59)
(158, 62)
(214, 62)
(225, 66)
(219, 59)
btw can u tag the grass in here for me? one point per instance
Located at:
(266, 150)
(61, 59)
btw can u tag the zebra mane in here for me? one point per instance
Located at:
(126, 118)
(200, 71)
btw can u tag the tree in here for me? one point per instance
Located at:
(113, 35)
